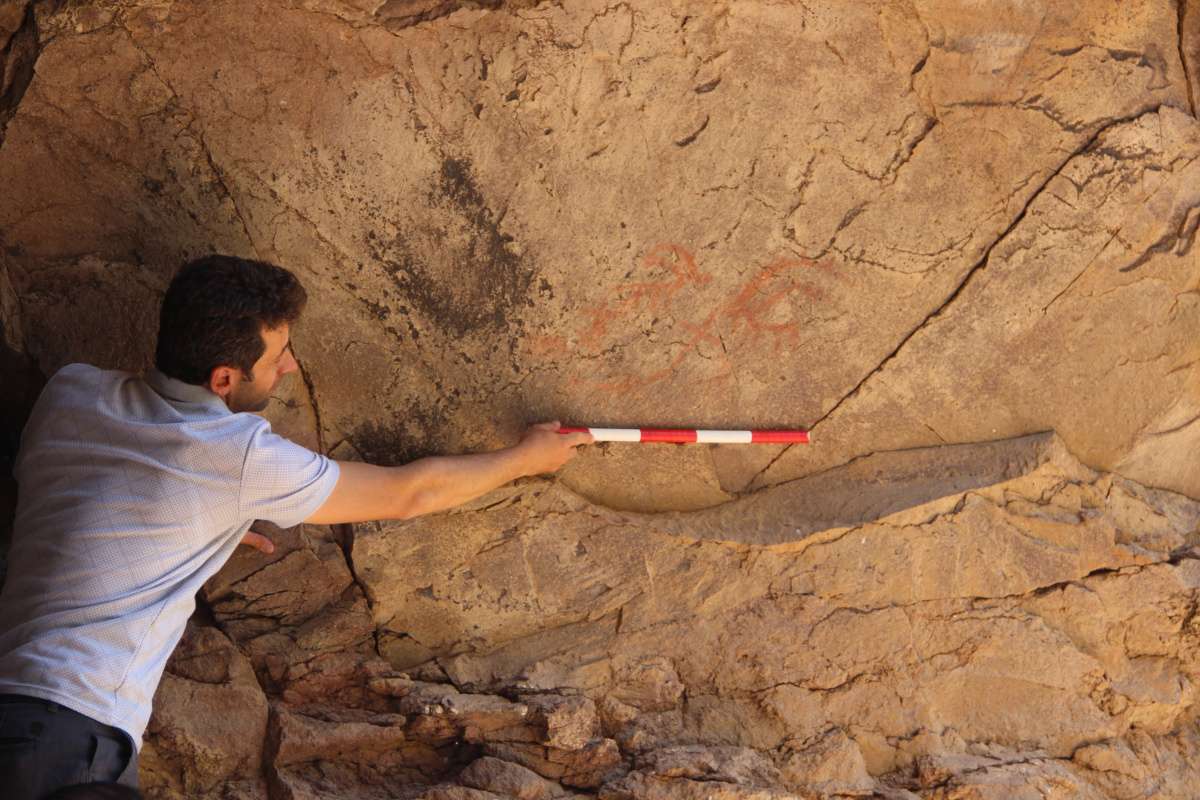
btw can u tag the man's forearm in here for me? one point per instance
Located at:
(437, 483)
(367, 492)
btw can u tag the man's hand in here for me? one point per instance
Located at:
(544, 450)
(258, 541)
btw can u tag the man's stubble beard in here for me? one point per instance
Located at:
(244, 398)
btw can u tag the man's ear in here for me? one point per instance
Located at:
(222, 380)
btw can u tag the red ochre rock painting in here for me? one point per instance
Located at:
(664, 307)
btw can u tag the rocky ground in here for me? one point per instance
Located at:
(952, 239)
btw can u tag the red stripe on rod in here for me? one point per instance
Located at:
(673, 435)
(779, 437)
(689, 435)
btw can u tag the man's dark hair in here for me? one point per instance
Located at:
(214, 312)
(96, 791)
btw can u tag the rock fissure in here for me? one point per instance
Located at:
(1179, 238)
(319, 427)
(215, 170)
(224, 184)
(957, 290)
(18, 58)
(1181, 29)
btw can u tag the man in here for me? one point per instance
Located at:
(133, 491)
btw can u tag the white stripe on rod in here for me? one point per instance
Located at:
(616, 434)
(723, 437)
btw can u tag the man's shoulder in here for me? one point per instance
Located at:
(79, 372)
(78, 379)
(83, 405)
(76, 371)
(120, 396)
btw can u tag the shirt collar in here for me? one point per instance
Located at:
(175, 389)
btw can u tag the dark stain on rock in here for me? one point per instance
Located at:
(456, 268)
(413, 434)
(396, 15)
(17, 58)
(380, 311)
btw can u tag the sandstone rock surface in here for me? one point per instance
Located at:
(953, 239)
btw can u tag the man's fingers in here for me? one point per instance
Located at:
(258, 542)
(576, 439)
(548, 426)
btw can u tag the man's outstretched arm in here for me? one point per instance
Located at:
(366, 492)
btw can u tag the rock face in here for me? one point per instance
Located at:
(1011, 612)
(952, 239)
(209, 721)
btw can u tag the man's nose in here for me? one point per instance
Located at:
(289, 364)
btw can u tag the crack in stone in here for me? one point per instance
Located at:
(344, 533)
(18, 59)
(1180, 237)
(691, 137)
(397, 15)
(906, 151)
(218, 173)
(225, 188)
(312, 398)
(346, 541)
(962, 284)
(1180, 28)
(1176, 428)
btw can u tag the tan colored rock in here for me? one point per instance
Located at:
(508, 780)
(364, 754)
(569, 723)
(991, 346)
(1157, 766)
(585, 768)
(292, 415)
(884, 593)
(638, 786)
(300, 615)
(674, 478)
(650, 684)
(1115, 758)
(833, 765)
(765, 241)
(731, 773)
(209, 722)
(1036, 779)
(439, 711)
(457, 793)
(311, 580)
(18, 54)
(299, 738)
(725, 764)
(59, 323)
(12, 13)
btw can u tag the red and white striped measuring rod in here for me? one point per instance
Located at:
(688, 435)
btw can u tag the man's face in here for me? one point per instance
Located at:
(276, 361)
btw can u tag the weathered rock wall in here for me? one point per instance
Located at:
(929, 231)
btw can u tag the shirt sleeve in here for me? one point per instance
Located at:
(283, 482)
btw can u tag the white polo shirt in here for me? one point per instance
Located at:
(131, 493)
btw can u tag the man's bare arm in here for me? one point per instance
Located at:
(367, 492)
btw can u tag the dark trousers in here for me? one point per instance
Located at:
(45, 746)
